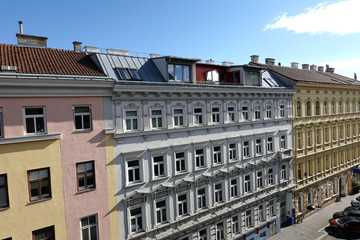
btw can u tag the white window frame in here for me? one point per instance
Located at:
(133, 169)
(215, 115)
(270, 144)
(88, 227)
(157, 166)
(283, 141)
(198, 116)
(282, 110)
(258, 146)
(272, 208)
(201, 198)
(82, 116)
(180, 162)
(246, 149)
(217, 154)
(34, 117)
(235, 225)
(261, 213)
(271, 176)
(218, 192)
(231, 110)
(220, 231)
(184, 203)
(283, 171)
(247, 183)
(137, 220)
(161, 210)
(233, 152)
(200, 158)
(179, 118)
(245, 113)
(257, 112)
(201, 236)
(260, 179)
(249, 216)
(268, 111)
(132, 120)
(157, 120)
(234, 187)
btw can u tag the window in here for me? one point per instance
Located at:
(35, 120)
(178, 117)
(128, 74)
(309, 142)
(89, 228)
(282, 110)
(1, 124)
(245, 113)
(309, 168)
(136, 220)
(252, 78)
(218, 192)
(232, 151)
(217, 154)
(259, 179)
(318, 165)
(334, 133)
(45, 234)
(282, 142)
(327, 191)
(182, 205)
(326, 135)
(199, 158)
(270, 147)
(201, 198)
(300, 205)
(82, 116)
(235, 225)
(317, 108)
(159, 166)
(353, 107)
(179, 72)
(180, 162)
(161, 211)
(39, 184)
(272, 211)
(298, 109)
(247, 184)
(4, 198)
(248, 219)
(234, 187)
(198, 116)
(347, 107)
(299, 140)
(325, 108)
(257, 112)
(212, 76)
(340, 107)
(202, 234)
(283, 172)
(220, 232)
(131, 118)
(333, 107)
(261, 213)
(317, 136)
(156, 118)
(268, 111)
(258, 146)
(299, 171)
(133, 170)
(246, 148)
(85, 175)
(271, 176)
(308, 108)
(231, 114)
(215, 114)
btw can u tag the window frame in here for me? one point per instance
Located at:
(132, 120)
(157, 120)
(89, 226)
(201, 198)
(159, 211)
(184, 203)
(180, 162)
(158, 165)
(131, 74)
(233, 151)
(234, 188)
(34, 117)
(198, 116)
(246, 149)
(218, 193)
(247, 183)
(179, 119)
(257, 112)
(245, 113)
(185, 72)
(85, 177)
(39, 181)
(215, 115)
(217, 154)
(249, 219)
(42, 231)
(136, 217)
(231, 114)
(133, 168)
(6, 188)
(82, 115)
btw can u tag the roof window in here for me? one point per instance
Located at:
(128, 74)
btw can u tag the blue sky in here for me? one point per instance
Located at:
(308, 31)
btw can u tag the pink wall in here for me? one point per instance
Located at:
(75, 147)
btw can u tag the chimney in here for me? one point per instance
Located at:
(305, 66)
(254, 58)
(77, 46)
(21, 27)
(154, 55)
(313, 67)
(225, 63)
(320, 68)
(270, 61)
(90, 49)
(210, 61)
(331, 70)
(117, 51)
(295, 65)
(30, 40)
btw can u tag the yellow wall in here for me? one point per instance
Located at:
(23, 217)
(111, 173)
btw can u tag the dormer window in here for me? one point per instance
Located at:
(179, 72)
(128, 74)
(212, 76)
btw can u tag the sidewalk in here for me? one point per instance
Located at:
(313, 225)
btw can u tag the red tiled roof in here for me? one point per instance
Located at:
(310, 76)
(47, 61)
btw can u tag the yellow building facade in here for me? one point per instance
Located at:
(31, 173)
(326, 137)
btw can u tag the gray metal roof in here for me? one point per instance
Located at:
(270, 80)
(145, 66)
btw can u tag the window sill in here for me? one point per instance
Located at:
(85, 191)
(180, 174)
(198, 169)
(4, 208)
(39, 200)
(155, 179)
(30, 138)
(83, 130)
(134, 184)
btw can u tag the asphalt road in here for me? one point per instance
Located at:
(316, 226)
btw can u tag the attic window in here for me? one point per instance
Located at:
(252, 78)
(179, 72)
(212, 76)
(128, 74)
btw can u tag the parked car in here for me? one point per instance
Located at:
(355, 213)
(348, 223)
(355, 202)
(352, 208)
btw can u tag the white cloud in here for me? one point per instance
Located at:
(338, 18)
(345, 67)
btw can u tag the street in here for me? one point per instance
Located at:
(316, 226)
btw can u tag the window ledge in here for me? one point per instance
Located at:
(83, 130)
(39, 200)
(159, 178)
(85, 191)
(4, 208)
(134, 184)
(181, 173)
(198, 169)
(32, 138)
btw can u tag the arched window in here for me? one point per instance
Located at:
(317, 108)
(308, 108)
(298, 108)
